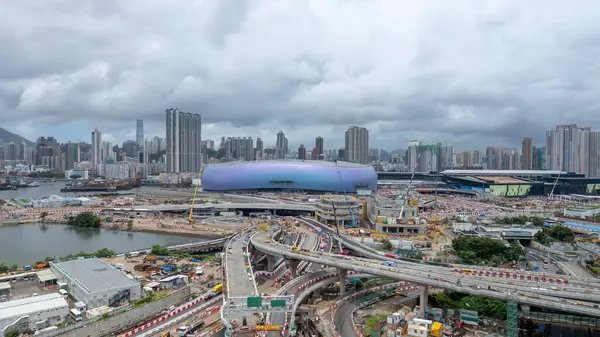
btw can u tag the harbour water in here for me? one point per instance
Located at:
(46, 189)
(27, 243)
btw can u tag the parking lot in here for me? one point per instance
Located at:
(26, 288)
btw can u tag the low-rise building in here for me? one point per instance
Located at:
(97, 283)
(394, 216)
(173, 281)
(33, 313)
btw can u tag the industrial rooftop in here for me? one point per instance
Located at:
(94, 275)
(29, 305)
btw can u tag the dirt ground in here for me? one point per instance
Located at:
(129, 264)
(181, 226)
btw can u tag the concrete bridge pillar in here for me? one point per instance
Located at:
(423, 300)
(293, 265)
(271, 261)
(342, 273)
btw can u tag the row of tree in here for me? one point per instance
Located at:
(101, 253)
(556, 233)
(85, 220)
(482, 250)
(521, 220)
(483, 305)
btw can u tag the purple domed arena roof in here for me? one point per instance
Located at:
(307, 175)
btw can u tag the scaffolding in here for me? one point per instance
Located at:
(512, 321)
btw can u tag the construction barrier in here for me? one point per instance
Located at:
(177, 311)
(512, 275)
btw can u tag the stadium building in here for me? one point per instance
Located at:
(290, 175)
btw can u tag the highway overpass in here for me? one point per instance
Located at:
(258, 206)
(444, 278)
(478, 271)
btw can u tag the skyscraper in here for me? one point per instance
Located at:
(494, 157)
(96, 148)
(573, 149)
(302, 152)
(319, 148)
(423, 157)
(139, 134)
(527, 154)
(259, 149)
(239, 148)
(357, 144)
(184, 141)
(281, 146)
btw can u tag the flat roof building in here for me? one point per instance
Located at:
(33, 313)
(97, 283)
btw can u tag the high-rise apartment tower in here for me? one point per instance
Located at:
(184, 141)
(357, 145)
(527, 154)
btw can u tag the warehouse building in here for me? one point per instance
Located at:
(97, 283)
(33, 313)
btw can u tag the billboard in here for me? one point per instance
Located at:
(510, 190)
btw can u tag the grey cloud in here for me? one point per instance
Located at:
(493, 72)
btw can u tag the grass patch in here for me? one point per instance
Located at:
(371, 321)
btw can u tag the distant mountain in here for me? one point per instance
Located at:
(7, 137)
(398, 152)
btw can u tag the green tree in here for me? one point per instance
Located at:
(130, 225)
(468, 256)
(562, 233)
(12, 333)
(475, 250)
(14, 267)
(537, 221)
(43, 215)
(542, 237)
(386, 243)
(104, 252)
(49, 258)
(4, 268)
(85, 220)
(159, 250)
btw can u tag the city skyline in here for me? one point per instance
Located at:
(466, 86)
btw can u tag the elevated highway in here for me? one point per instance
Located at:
(523, 277)
(263, 206)
(203, 246)
(444, 278)
(239, 280)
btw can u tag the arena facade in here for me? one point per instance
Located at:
(293, 175)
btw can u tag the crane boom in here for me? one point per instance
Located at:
(354, 224)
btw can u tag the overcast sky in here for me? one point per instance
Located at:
(469, 73)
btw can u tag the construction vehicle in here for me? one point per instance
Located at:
(41, 265)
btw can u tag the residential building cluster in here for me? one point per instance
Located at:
(567, 148)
